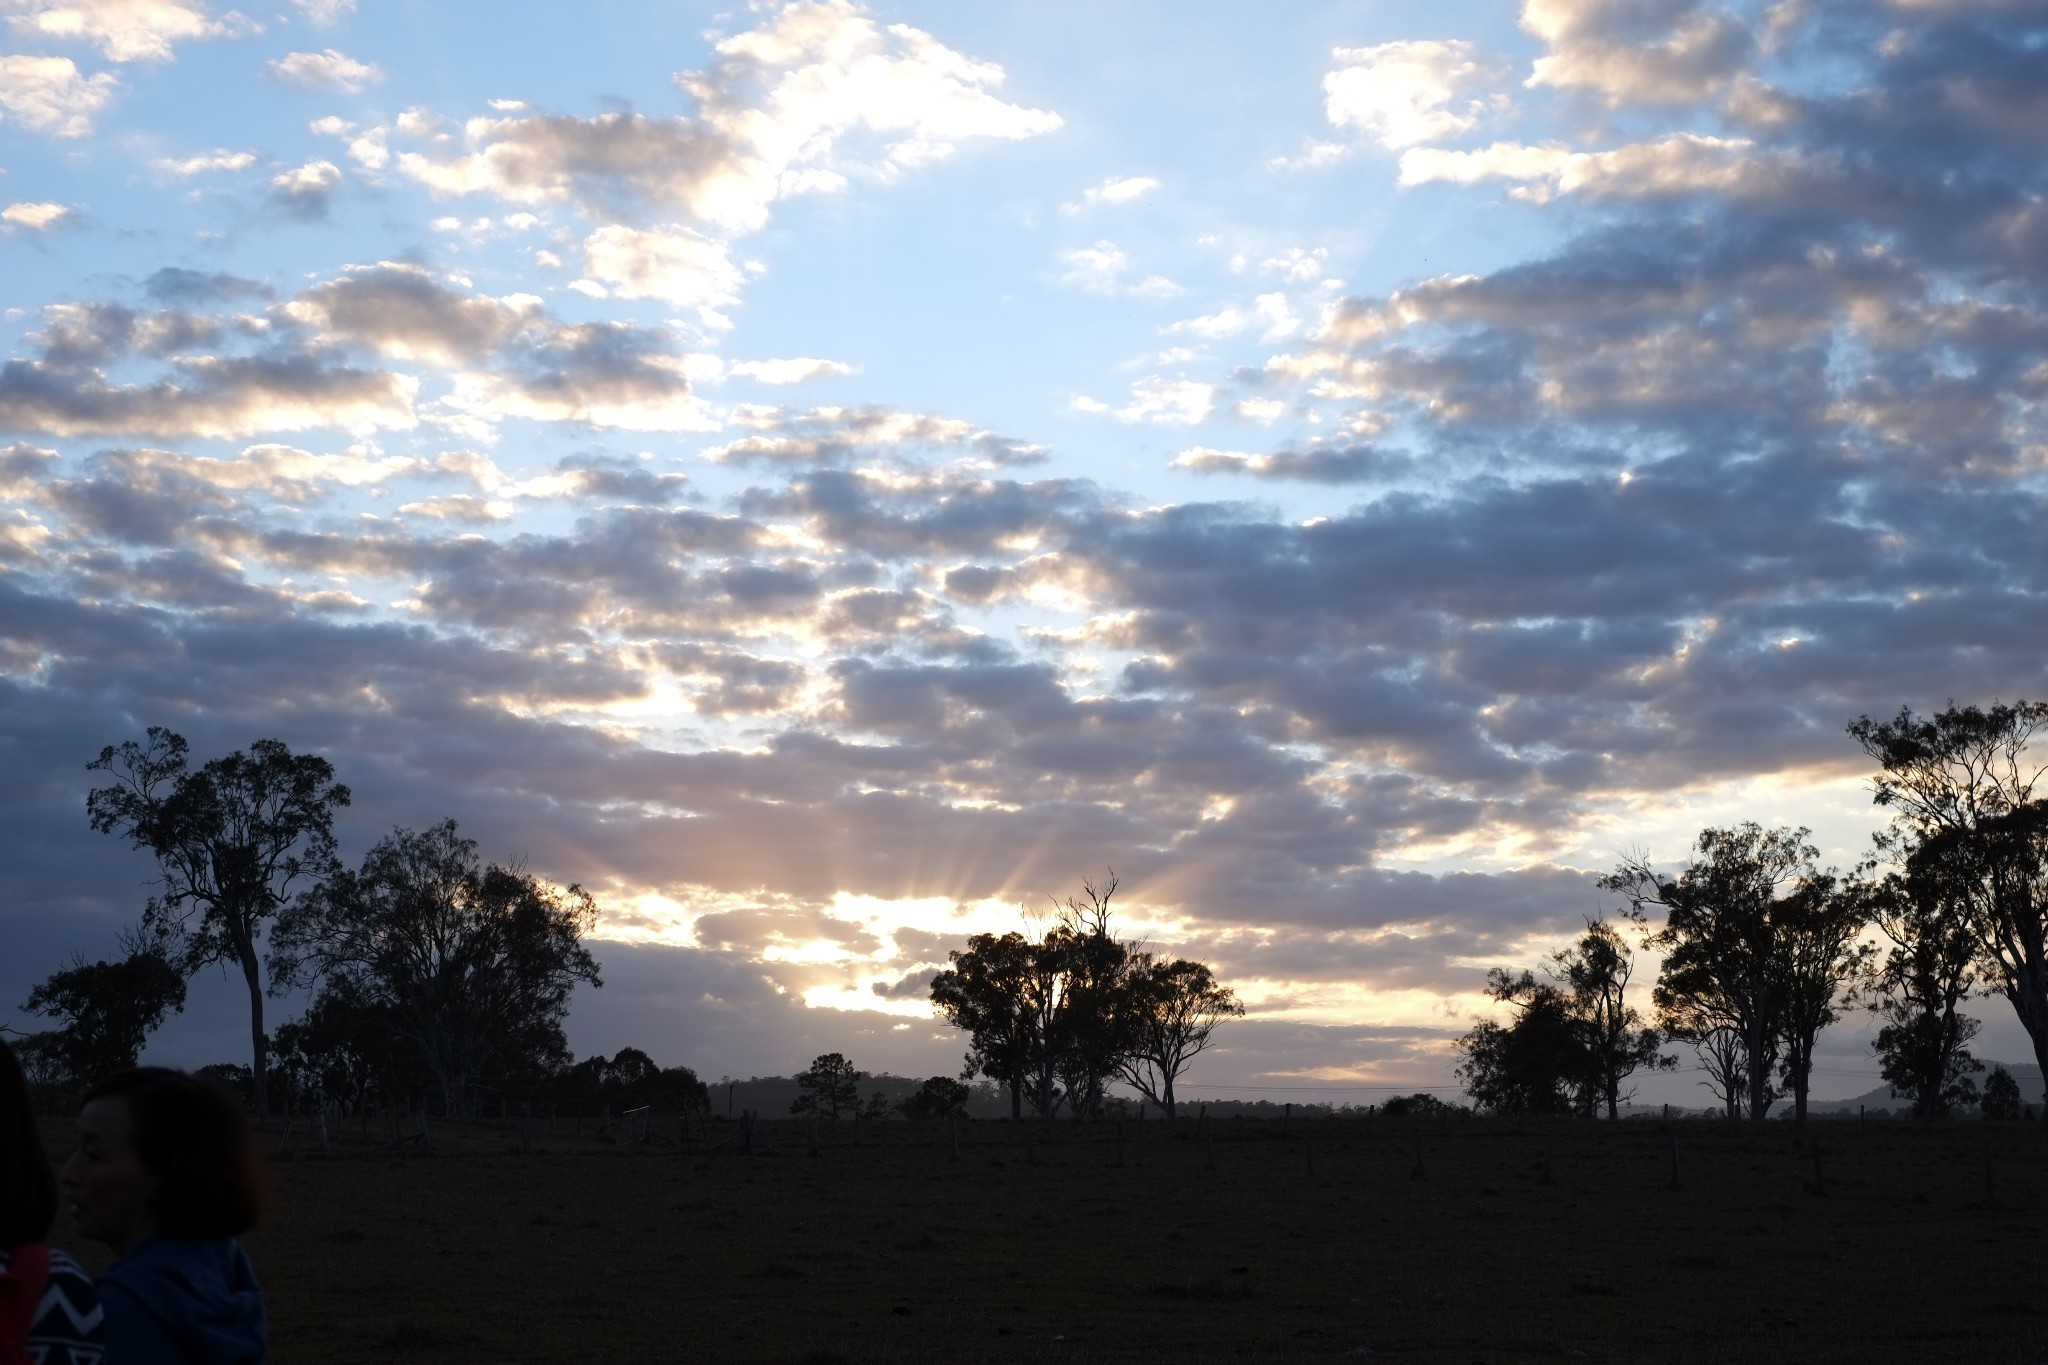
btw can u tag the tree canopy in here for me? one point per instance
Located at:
(470, 963)
(231, 840)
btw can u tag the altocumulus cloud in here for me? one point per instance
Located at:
(808, 690)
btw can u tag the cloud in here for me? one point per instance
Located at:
(324, 70)
(211, 397)
(1356, 464)
(36, 217)
(677, 266)
(1169, 400)
(1636, 51)
(1117, 190)
(778, 113)
(50, 95)
(1401, 94)
(176, 284)
(220, 159)
(306, 192)
(836, 435)
(1102, 269)
(404, 313)
(326, 13)
(125, 30)
(795, 370)
(1771, 372)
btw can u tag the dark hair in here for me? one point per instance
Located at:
(196, 1142)
(28, 1188)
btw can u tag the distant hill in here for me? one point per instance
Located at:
(2026, 1073)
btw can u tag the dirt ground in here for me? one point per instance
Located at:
(1518, 1242)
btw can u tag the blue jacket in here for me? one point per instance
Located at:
(183, 1301)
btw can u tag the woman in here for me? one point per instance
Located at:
(48, 1310)
(166, 1175)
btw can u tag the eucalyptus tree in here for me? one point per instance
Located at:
(1757, 940)
(1175, 1007)
(232, 840)
(471, 963)
(1057, 1018)
(107, 1010)
(1961, 788)
(1573, 1041)
(1917, 987)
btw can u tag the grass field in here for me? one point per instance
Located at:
(585, 1250)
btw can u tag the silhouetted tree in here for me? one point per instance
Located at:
(938, 1098)
(107, 1010)
(830, 1086)
(230, 840)
(1057, 1019)
(345, 1050)
(2001, 1095)
(1960, 785)
(1571, 1045)
(1534, 1064)
(1820, 957)
(1174, 1009)
(472, 963)
(1732, 929)
(1722, 1056)
(1917, 989)
(1596, 970)
(986, 994)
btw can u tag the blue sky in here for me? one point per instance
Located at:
(826, 477)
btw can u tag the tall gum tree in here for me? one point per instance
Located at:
(1756, 940)
(1961, 788)
(231, 840)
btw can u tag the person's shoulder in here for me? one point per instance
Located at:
(200, 1265)
(69, 1325)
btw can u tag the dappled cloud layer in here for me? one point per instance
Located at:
(808, 689)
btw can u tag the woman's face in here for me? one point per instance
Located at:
(112, 1196)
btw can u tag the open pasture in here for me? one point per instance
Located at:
(1519, 1242)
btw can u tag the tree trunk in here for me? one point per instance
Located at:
(1801, 1069)
(1759, 1077)
(259, 1068)
(1167, 1100)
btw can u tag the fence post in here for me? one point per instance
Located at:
(953, 1130)
(1416, 1173)
(323, 1126)
(1674, 1159)
(1311, 1157)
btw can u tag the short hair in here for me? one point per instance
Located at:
(196, 1141)
(28, 1188)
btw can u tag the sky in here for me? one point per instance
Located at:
(829, 478)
